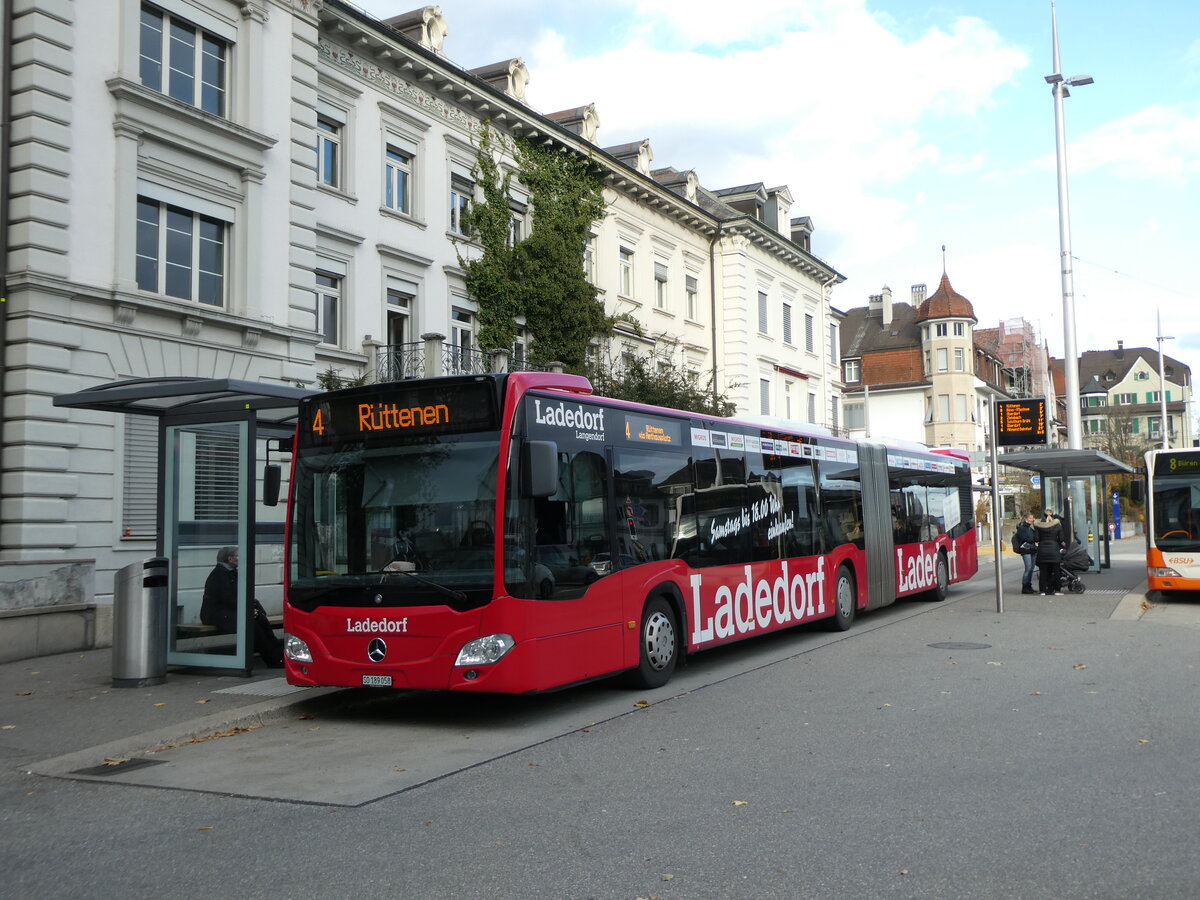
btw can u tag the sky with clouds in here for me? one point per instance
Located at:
(901, 126)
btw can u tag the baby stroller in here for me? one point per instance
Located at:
(1074, 561)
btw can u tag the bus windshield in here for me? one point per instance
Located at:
(408, 523)
(1176, 506)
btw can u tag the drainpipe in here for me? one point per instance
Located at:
(6, 30)
(712, 300)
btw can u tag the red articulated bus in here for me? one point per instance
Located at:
(514, 533)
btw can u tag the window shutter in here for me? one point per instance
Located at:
(139, 500)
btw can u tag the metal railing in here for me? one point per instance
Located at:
(400, 361)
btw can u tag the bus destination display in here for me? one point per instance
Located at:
(398, 411)
(1020, 422)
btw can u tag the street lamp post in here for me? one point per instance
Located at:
(1059, 87)
(1162, 385)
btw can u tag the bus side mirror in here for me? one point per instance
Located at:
(1137, 490)
(539, 468)
(272, 475)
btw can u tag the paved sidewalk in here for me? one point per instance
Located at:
(59, 705)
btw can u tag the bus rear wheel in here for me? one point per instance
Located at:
(658, 646)
(845, 601)
(941, 583)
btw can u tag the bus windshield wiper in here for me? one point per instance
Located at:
(440, 588)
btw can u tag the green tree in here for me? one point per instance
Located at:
(656, 380)
(540, 278)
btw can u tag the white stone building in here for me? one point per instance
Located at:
(267, 189)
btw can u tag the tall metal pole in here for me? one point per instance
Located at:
(1162, 386)
(997, 545)
(1070, 351)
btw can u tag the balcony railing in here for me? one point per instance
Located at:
(432, 357)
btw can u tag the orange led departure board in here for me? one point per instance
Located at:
(1020, 422)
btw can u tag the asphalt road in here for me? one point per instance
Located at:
(1045, 753)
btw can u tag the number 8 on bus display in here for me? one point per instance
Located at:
(514, 533)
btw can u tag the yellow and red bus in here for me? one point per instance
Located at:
(514, 533)
(1173, 520)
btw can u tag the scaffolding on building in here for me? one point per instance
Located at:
(1022, 358)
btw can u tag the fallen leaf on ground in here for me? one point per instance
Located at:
(740, 802)
(205, 700)
(666, 877)
(24, 693)
(115, 760)
(205, 828)
(994, 663)
(160, 704)
(642, 703)
(1143, 741)
(7, 727)
(1079, 666)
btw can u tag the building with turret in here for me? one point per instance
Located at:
(922, 370)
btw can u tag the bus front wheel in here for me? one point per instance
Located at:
(658, 645)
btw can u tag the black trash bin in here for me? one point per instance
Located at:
(139, 652)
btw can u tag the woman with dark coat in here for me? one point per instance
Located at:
(1027, 536)
(1050, 544)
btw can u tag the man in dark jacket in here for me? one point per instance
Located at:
(219, 608)
(1025, 540)
(1049, 553)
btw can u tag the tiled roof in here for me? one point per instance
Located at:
(946, 303)
(863, 333)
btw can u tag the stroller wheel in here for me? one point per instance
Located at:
(1077, 587)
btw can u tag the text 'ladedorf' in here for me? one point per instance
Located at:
(565, 416)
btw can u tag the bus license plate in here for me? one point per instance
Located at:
(377, 681)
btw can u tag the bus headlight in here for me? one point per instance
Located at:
(295, 649)
(485, 650)
(1161, 572)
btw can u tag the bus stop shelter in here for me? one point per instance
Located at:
(1074, 483)
(216, 437)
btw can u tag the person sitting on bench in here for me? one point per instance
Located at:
(219, 608)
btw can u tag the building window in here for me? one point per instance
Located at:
(589, 259)
(853, 369)
(941, 359)
(928, 364)
(834, 353)
(329, 152)
(812, 408)
(940, 329)
(960, 407)
(808, 333)
(787, 323)
(462, 191)
(660, 286)
(1126, 399)
(691, 289)
(958, 359)
(762, 312)
(1141, 376)
(516, 222)
(182, 61)
(960, 329)
(139, 489)
(833, 413)
(625, 262)
(943, 407)
(180, 253)
(329, 301)
(764, 396)
(856, 417)
(1153, 396)
(397, 186)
